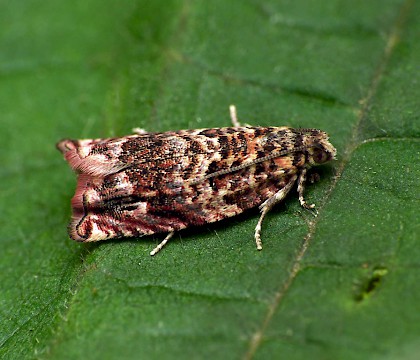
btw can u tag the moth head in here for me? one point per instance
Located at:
(321, 150)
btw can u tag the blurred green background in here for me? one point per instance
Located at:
(343, 285)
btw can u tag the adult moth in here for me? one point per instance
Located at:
(149, 183)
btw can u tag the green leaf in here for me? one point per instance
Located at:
(342, 285)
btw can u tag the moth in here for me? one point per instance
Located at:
(149, 183)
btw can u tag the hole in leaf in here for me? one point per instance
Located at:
(371, 284)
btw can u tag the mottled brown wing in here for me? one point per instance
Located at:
(162, 194)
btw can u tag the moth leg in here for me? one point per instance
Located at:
(233, 116)
(139, 131)
(268, 204)
(162, 244)
(301, 189)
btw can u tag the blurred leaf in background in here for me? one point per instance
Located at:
(343, 285)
